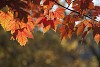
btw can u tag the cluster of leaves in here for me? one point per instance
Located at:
(20, 17)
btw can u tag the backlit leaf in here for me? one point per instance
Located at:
(21, 37)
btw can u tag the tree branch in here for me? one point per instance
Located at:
(70, 4)
(74, 11)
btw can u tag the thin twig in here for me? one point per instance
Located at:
(70, 4)
(74, 11)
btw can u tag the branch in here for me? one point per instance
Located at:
(70, 4)
(74, 11)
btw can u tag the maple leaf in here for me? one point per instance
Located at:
(21, 37)
(80, 29)
(48, 4)
(27, 33)
(51, 15)
(68, 20)
(87, 23)
(82, 5)
(5, 18)
(69, 2)
(96, 34)
(56, 23)
(46, 11)
(46, 23)
(21, 31)
(39, 20)
(97, 38)
(59, 13)
(94, 12)
(66, 31)
(45, 29)
(12, 26)
(63, 32)
(29, 25)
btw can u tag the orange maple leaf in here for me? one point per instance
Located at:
(80, 29)
(59, 13)
(21, 37)
(5, 18)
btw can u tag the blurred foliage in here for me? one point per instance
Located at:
(45, 51)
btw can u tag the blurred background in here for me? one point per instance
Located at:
(48, 51)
